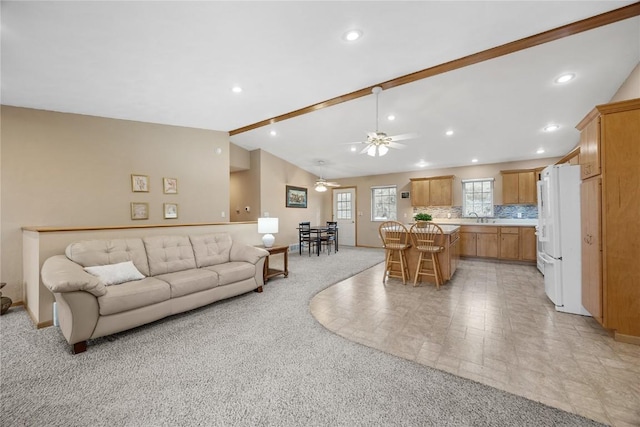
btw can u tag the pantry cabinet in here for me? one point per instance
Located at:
(433, 191)
(610, 202)
(519, 187)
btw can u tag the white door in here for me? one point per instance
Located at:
(344, 213)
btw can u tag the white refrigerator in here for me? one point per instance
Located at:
(559, 235)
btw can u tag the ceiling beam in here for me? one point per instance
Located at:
(577, 27)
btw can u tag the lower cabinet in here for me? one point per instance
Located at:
(454, 250)
(489, 241)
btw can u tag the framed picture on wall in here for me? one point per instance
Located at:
(139, 210)
(296, 197)
(170, 210)
(170, 185)
(139, 183)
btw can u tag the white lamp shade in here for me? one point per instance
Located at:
(268, 226)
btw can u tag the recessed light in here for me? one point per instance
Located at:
(353, 149)
(474, 160)
(551, 128)
(449, 132)
(565, 78)
(236, 89)
(352, 35)
(540, 151)
(391, 117)
(273, 133)
(422, 164)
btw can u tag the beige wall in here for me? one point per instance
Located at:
(630, 89)
(245, 191)
(367, 230)
(275, 175)
(72, 170)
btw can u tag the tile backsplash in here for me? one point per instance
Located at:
(499, 211)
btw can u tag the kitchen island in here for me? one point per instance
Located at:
(448, 258)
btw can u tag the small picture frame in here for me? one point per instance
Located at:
(170, 185)
(404, 195)
(139, 210)
(296, 197)
(170, 210)
(139, 183)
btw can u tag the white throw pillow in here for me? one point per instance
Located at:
(114, 274)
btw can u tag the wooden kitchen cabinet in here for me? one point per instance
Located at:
(433, 191)
(468, 244)
(528, 241)
(509, 243)
(479, 240)
(610, 201)
(590, 191)
(519, 187)
(590, 147)
(454, 249)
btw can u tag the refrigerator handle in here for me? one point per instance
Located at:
(542, 229)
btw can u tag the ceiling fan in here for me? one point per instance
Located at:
(378, 143)
(321, 183)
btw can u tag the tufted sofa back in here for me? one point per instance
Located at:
(90, 253)
(211, 249)
(168, 254)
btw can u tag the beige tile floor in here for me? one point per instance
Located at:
(492, 323)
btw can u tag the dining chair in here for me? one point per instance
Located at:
(427, 239)
(395, 238)
(328, 238)
(304, 236)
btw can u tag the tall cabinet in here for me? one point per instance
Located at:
(610, 198)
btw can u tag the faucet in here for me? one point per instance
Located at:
(477, 217)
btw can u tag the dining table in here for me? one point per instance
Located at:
(319, 230)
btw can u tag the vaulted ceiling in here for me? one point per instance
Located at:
(176, 63)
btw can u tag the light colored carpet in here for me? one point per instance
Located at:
(257, 359)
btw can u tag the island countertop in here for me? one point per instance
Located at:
(446, 228)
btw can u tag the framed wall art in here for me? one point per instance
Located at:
(296, 197)
(139, 210)
(170, 185)
(139, 183)
(170, 210)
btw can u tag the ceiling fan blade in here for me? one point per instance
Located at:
(364, 150)
(396, 145)
(403, 136)
(332, 184)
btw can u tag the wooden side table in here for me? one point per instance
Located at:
(272, 272)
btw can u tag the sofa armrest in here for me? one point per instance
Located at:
(60, 274)
(247, 253)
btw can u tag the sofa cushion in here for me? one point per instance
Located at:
(190, 281)
(168, 254)
(131, 295)
(232, 272)
(211, 249)
(114, 274)
(90, 253)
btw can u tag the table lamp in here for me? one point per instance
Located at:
(267, 226)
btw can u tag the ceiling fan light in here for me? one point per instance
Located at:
(321, 188)
(372, 151)
(382, 150)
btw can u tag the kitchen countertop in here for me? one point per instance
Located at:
(446, 228)
(500, 222)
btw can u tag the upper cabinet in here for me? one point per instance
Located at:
(589, 129)
(433, 191)
(519, 187)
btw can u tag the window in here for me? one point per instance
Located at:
(343, 206)
(383, 203)
(477, 197)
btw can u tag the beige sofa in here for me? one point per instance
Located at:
(175, 274)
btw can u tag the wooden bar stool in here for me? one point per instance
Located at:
(395, 238)
(427, 239)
